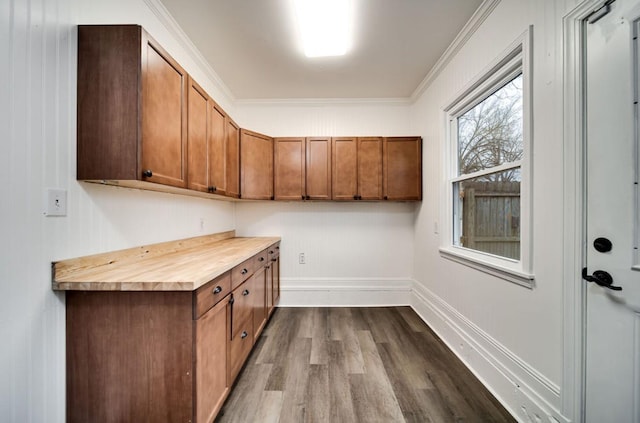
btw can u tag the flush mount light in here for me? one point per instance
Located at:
(325, 26)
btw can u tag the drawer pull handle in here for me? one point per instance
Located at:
(217, 290)
(278, 247)
(245, 292)
(274, 259)
(244, 334)
(270, 251)
(147, 173)
(261, 259)
(244, 272)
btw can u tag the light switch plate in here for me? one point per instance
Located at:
(55, 202)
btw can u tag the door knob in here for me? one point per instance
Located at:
(602, 245)
(602, 278)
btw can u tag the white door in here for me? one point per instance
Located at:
(612, 215)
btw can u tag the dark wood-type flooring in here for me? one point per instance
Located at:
(356, 365)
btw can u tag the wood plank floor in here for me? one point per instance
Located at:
(356, 365)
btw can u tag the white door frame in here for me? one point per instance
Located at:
(574, 289)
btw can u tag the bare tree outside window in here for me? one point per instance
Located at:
(490, 135)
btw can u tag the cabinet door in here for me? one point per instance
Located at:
(275, 272)
(344, 180)
(233, 159)
(403, 168)
(164, 117)
(256, 166)
(211, 362)
(217, 150)
(370, 168)
(318, 181)
(259, 301)
(198, 106)
(289, 168)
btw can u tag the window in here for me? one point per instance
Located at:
(488, 176)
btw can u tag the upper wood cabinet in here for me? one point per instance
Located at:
(256, 166)
(344, 161)
(132, 111)
(289, 168)
(217, 153)
(302, 168)
(318, 172)
(198, 130)
(402, 168)
(357, 168)
(370, 168)
(232, 155)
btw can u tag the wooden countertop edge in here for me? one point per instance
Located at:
(182, 265)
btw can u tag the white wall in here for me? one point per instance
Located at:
(510, 336)
(356, 253)
(37, 150)
(494, 325)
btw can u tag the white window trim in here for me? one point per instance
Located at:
(515, 59)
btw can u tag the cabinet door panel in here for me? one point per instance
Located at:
(239, 348)
(259, 301)
(256, 166)
(318, 181)
(198, 103)
(344, 163)
(233, 159)
(217, 150)
(370, 168)
(163, 118)
(289, 168)
(403, 168)
(211, 362)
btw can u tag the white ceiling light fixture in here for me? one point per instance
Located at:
(325, 26)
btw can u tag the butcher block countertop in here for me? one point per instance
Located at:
(183, 265)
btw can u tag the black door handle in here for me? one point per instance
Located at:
(602, 278)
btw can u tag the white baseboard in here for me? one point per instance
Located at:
(528, 395)
(351, 292)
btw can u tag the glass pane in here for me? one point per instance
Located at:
(490, 134)
(487, 213)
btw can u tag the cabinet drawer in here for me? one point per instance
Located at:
(260, 259)
(239, 348)
(242, 306)
(210, 294)
(274, 251)
(241, 272)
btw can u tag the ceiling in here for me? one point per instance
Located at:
(251, 45)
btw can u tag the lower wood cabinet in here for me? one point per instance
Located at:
(164, 356)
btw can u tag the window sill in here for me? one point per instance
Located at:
(519, 278)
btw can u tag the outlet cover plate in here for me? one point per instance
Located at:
(55, 202)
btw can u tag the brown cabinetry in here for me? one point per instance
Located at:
(289, 168)
(132, 111)
(402, 168)
(302, 168)
(217, 154)
(232, 156)
(357, 168)
(198, 130)
(256, 166)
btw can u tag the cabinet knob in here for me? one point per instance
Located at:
(386, 197)
(308, 197)
(245, 292)
(270, 251)
(212, 189)
(267, 267)
(303, 197)
(261, 259)
(355, 197)
(273, 259)
(147, 173)
(217, 290)
(244, 334)
(244, 272)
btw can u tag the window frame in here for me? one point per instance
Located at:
(515, 60)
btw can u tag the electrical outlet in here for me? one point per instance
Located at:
(55, 202)
(301, 258)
